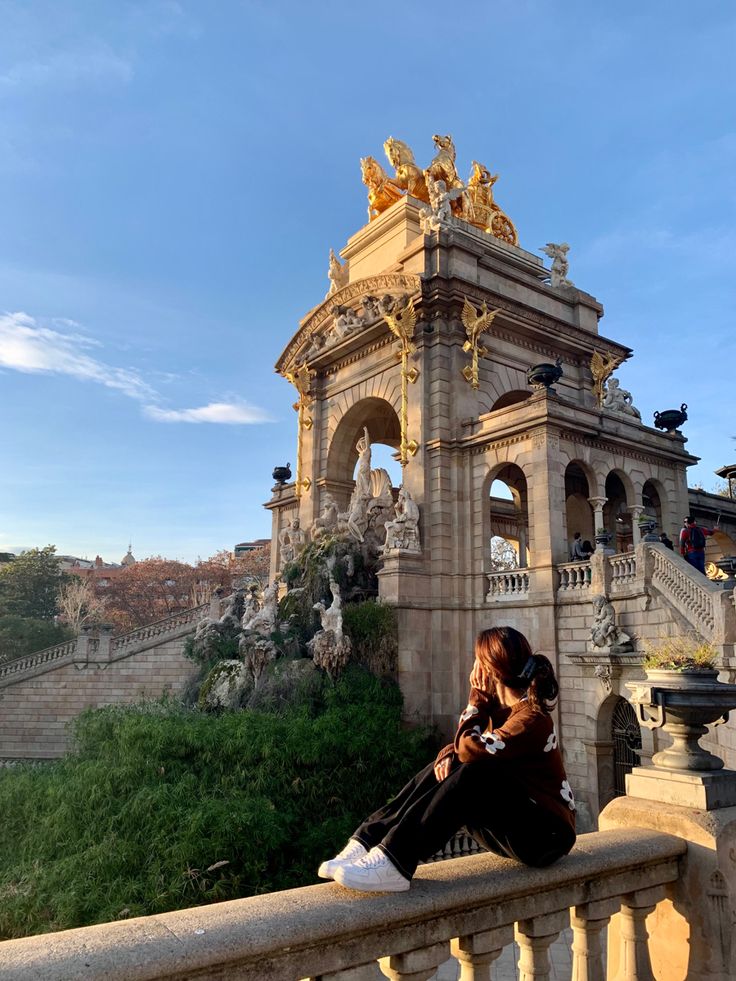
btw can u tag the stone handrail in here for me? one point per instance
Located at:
(514, 582)
(166, 626)
(573, 576)
(698, 599)
(49, 655)
(46, 656)
(468, 907)
(623, 567)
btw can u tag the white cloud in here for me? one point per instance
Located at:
(27, 346)
(33, 348)
(228, 413)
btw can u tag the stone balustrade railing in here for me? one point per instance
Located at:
(118, 645)
(50, 654)
(470, 908)
(623, 568)
(573, 576)
(698, 599)
(170, 625)
(512, 583)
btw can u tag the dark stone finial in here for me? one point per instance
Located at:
(544, 375)
(282, 474)
(670, 419)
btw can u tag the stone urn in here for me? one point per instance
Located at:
(683, 703)
(544, 375)
(670, 419)
(646, 529)
(603, 537)
(282, 474)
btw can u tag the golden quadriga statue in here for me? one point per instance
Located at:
(473, 202)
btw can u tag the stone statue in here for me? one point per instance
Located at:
(346, 320)
(382, 191)
(357, 513)
(329, 647)
(337, 273)
(560, 265)
(619, 400)
(408, 176)
(326, 523)
(439, 212)
(264, 620)
(604, 632)
(291, 541)
(251, 606)
(403, 531)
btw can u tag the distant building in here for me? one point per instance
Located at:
(251, 546)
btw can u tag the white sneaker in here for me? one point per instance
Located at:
(350, 853)
(373, 873)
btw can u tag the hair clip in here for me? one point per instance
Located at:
(530, 669)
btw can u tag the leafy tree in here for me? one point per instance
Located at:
(157, 587)
(29, 586)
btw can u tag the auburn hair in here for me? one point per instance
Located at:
(506, 655)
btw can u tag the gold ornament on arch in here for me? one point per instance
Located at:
(472, 202)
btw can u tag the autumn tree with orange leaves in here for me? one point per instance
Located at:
(155, 588)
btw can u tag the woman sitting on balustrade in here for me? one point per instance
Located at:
(502, 778)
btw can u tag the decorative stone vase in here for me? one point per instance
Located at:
(603, 538)
(544, 375)
(646, 530)
(282, 474)
(683, 703)
(670, 419)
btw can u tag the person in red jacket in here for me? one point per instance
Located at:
(692, 543)
(502, 778)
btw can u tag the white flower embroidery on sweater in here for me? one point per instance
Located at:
(492, 742)
(567, 795)
(469, 712)
(551, 741)
(475, 733)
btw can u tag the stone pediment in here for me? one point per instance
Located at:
(347, 315)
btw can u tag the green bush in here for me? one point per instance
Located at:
(161, 807)
(24, 635)
(373, 629)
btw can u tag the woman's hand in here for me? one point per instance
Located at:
(442, 769)
(481, 679)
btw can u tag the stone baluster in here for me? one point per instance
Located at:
(534, 937)
(415, 965)
(635, 964)
(587, 923)
(478, 951)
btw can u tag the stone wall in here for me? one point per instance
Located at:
(37, 705)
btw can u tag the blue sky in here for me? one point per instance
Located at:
(173, 175)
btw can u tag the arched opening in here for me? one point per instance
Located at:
(616, 516)
(380, 419)
(626, 738)
(578, 512)
(652, 503)
(509, 520)
(510, 398)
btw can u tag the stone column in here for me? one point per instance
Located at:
(597, 504)
(636, 510)
(104, 650)
(81, 654)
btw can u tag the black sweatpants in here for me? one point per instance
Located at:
(487, 800)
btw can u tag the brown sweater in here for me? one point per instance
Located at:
(522, 737)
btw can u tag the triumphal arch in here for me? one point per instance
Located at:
(447, 340)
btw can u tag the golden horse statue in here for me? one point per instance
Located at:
(408, 176)
(443, 168)
(382, 191)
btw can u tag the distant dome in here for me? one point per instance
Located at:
(128, 558)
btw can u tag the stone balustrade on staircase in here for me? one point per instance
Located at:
(470, 908)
